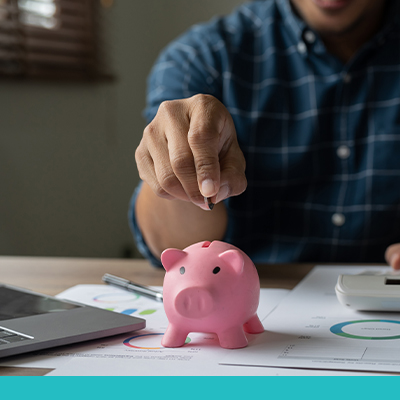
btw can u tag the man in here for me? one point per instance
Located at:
(286, 115)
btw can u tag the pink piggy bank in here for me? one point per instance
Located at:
(210, 287)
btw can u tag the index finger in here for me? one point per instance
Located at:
(207, 122)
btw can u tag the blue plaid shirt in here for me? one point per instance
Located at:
(321, 139)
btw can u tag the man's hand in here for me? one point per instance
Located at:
(190, 151)
(392, 256)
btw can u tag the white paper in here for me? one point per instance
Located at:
(311, 329)
(141, 347)
(118, 367)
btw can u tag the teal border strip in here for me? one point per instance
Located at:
(199, 388)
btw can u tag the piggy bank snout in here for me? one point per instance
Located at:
(194, 302)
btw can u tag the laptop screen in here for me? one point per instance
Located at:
(17, 304)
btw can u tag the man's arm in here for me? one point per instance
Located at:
(188, 152)
(176, 223)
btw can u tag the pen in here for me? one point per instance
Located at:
(132, 287)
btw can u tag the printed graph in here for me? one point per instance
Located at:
(148, 341)
(358, 331)
(116, 297)
(368, 329)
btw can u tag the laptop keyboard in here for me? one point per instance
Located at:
(7, 337)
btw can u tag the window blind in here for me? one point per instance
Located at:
(58, 39)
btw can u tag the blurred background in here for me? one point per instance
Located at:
(68, 131)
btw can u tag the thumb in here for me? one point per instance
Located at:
(392, 256)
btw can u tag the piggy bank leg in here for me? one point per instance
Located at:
(253, 325)
(233, 338)
(174, 337)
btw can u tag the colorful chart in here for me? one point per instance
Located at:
(147, 312)
(116, 297)
(379, 329)
(127, 341)
(129, 311)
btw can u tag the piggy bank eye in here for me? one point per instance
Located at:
(182, 270)
(216, 270)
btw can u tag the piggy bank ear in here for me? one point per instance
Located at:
(170, 256)
(235, 259)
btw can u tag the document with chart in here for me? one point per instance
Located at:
(311, 329)
(142, 350)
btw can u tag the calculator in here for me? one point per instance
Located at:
(369, 292)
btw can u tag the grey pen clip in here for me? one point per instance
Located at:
(132, 287)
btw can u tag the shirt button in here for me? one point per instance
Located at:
(301, 47)
(343, 152)
(309, 36)
(347, 78)
(338, 219)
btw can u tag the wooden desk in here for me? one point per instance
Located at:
(53, 275)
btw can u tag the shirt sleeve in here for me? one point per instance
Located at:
(188, 66)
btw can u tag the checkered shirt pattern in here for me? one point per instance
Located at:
(321, 138)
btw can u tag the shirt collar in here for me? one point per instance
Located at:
(392, 21)
(294, 24)
(297, 28)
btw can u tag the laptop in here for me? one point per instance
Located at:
(31, 321)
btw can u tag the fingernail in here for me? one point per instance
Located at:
(207, 188)
(223, 193)
(204, 206)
